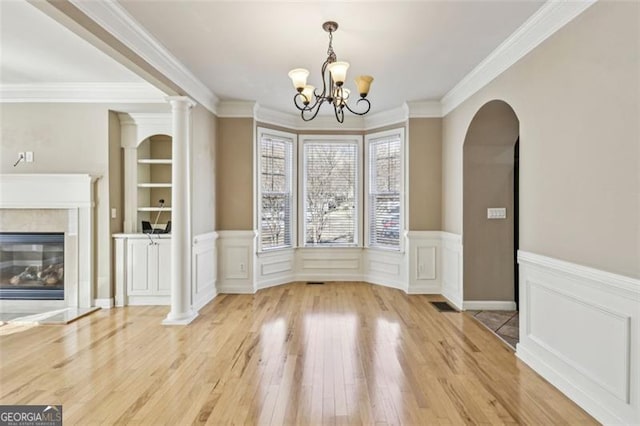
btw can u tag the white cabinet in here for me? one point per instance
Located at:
(143, 269)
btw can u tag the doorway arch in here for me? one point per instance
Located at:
(489, 182)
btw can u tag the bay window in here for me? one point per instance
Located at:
(276, 189)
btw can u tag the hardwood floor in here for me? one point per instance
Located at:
(339, 353)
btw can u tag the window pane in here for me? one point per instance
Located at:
(330, 174)
(384, 192)
(276, 159)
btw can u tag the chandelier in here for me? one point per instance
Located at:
(309, 101)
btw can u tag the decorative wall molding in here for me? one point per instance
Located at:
(488, 305)
(576, 330)
(552, 16)
(452, 279)
(236, 262)
(118, 22)
(387, 268)
(204, 272)
(81, 93)
(424, 262)
(275, 268)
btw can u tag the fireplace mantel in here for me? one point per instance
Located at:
(71, 192)
(46, 191)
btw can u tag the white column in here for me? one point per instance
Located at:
(129, 143)
(181, 308)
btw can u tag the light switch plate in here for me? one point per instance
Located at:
(29, 156)
(496, 213)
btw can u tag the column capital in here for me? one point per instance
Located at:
(178, 102)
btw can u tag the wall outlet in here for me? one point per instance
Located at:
(29, 156)
(114, 213)
(242, 267)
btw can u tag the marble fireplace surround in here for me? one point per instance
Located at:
(55, 203)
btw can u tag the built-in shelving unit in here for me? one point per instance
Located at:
(154, 181)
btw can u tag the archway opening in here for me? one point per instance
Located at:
(490, 221)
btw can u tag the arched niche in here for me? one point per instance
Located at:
(489, 181)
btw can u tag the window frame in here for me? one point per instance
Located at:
(356, 140)
(373, 137)
(278, 134)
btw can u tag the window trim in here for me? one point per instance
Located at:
(261, 132)
(359, 193)
(372, 137)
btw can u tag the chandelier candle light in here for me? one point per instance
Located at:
(308, 101)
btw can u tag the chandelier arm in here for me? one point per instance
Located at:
(296, 97)
(339, 112)
(314, 114)
(360, 100)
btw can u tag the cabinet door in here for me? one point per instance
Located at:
(138, 279)
(164, 267)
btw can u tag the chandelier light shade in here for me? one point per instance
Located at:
(308, 101)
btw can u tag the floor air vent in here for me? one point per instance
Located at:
(444, 307)
(315, 282)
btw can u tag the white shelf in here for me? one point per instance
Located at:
(154, 161)
(154, 209)
(154, 185)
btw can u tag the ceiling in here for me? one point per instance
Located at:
(36, 49)
(243, 50)
(416, 50)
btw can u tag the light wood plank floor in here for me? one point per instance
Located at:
(339, 353)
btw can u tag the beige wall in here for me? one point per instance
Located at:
(577, 99)
(203, 171)
(65, 138)
(488, 175)
(425, 174)
(116, 193)
(234, 161)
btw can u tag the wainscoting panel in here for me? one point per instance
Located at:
(579, 328)
(329, 264)
(237, 252)
(452, 268)
(275, 267)
(424, 262)
(204, 269)
(385, 267)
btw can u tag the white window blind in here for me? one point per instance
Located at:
(330, 213)
(276, 188)
(385, 183)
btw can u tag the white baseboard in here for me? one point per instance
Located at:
(105, 303)
(205, 298)
(425, 289)
(149, 300)
(578, 330)
(488, 305)
(559, 380)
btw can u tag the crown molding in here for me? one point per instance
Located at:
(82, 93)
(551, 16)
(386, 118)
(424, 109)
(236, 109)
(119, 23)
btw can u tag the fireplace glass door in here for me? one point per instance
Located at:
(32, 266)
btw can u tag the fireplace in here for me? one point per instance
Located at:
(32, 265)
